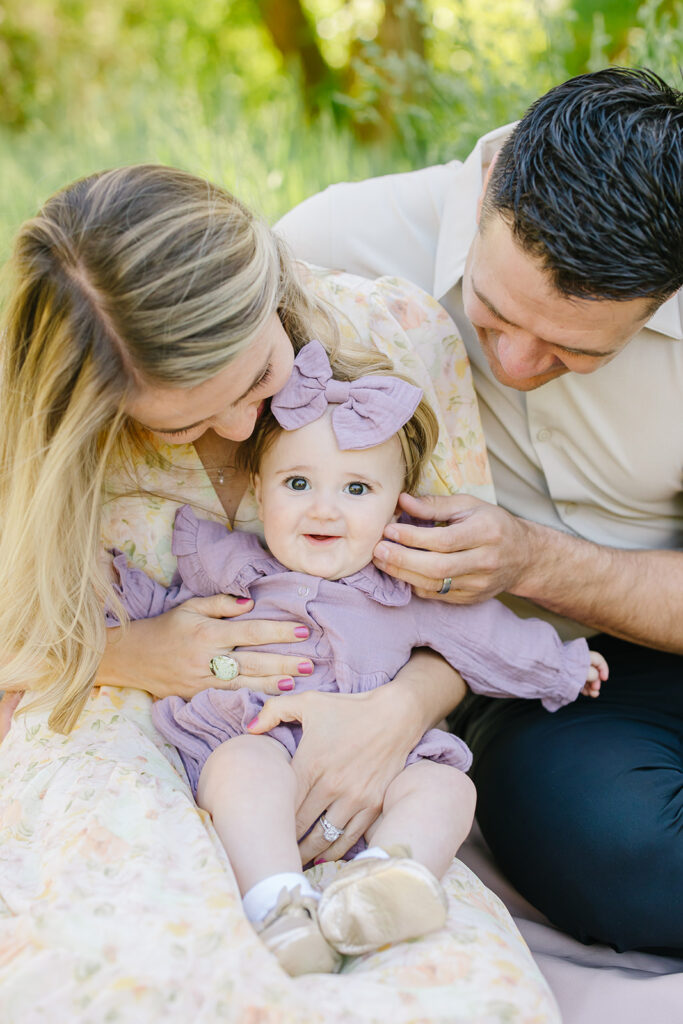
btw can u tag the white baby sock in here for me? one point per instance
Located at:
(372, 851)
(262, 897)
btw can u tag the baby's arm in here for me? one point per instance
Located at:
(500, 655)
(141, 596)
(597, 674)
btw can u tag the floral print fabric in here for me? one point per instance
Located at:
(117, 903)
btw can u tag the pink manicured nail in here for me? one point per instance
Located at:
(305, 668)
(243, 600)
(286, 684)
(252, 723)
(320, 860)
(302, 631)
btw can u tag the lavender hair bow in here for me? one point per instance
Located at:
(369, 410)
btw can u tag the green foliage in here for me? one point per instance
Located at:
(203, 85)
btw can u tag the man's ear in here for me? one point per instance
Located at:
(487, 178)
(257, 493)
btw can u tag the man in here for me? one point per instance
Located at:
(557, 248)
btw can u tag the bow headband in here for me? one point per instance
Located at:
(369, 410)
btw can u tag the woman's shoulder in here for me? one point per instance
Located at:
(406, 301)
(406, 324)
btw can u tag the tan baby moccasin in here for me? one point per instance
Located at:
(291, 932)
(374, 902)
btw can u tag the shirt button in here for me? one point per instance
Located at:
(303, 591)
(544, 434)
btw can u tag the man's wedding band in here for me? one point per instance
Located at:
(330, 831)
(224, 667)
(445, 586)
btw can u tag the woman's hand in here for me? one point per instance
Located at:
(171, 654)
(354, 745)
(483, 549)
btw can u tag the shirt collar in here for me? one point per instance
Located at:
(459, 218)
(379, 586)
(459, 225)
(369, 580)
(669, 317)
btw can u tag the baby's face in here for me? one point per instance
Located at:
(324, 510)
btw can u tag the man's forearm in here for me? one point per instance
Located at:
(635, 595)
(427, 689)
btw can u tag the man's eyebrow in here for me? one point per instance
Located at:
(564, 348)
(181, 430)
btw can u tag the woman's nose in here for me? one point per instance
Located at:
(235, 427)
(524, 356)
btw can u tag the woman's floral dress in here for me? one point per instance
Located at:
(117, 902)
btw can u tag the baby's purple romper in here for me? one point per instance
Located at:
(363, 629)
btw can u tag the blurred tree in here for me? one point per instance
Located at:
(402, 29)
(388, 78)
(424, 75)
(608, 23)
(295, 38)
(613, 18)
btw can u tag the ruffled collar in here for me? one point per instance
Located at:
(369, 580)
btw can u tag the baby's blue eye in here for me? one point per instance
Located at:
(356, 488)
(297, 483)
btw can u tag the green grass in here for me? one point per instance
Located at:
(270, 158)
(270, 155)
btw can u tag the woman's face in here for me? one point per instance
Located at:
(228, 403)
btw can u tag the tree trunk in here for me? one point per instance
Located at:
(295, 38)
(401, 30)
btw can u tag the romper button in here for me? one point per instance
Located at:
(303, 591)
(544, 434)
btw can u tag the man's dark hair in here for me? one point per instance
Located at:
(591, 182)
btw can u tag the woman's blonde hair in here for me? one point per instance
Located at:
(139, 276)
(418, 436)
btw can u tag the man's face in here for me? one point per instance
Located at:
(530, 332)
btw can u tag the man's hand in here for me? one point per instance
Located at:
(483, 549)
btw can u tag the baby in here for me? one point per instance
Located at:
(329, 462)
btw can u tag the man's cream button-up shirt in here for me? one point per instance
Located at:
(599, 455)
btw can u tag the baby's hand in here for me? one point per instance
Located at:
(597, 674)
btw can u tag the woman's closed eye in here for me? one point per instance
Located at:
(175, 433)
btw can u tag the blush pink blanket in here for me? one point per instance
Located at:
(592, 984)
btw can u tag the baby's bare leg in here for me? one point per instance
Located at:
(248, 787)
(430, 808)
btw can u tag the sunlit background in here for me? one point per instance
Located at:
(276, 98)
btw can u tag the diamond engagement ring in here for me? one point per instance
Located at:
(330, 831)
(224, 667)
(445, 586)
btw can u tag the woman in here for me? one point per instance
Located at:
(151, 316)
